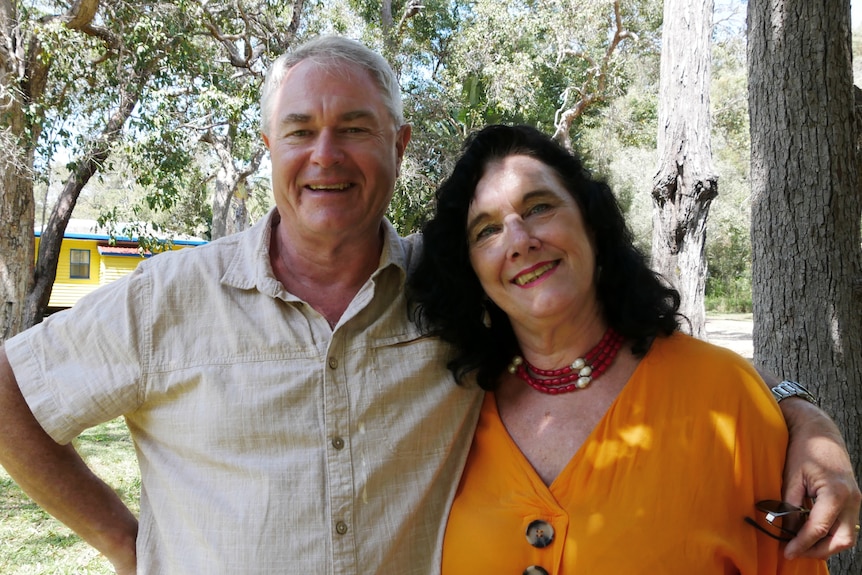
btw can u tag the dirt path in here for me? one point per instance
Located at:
(732, 331)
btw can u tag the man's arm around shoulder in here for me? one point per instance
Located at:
(58, 480)
(818, 467)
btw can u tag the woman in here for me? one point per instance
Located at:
(609, 442)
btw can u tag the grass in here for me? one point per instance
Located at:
(34, 543)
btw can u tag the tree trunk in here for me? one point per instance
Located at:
(686, 183)
(17, 140)
(229, 179)
(16, 242)
(806, 208)
(52, 235)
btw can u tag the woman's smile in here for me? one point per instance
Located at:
(536, 272)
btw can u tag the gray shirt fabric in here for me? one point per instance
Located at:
(268, 442)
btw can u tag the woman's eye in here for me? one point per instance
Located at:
(538, 209)
(485, 231)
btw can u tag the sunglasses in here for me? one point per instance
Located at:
(778, 519)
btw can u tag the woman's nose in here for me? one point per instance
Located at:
(519, 237)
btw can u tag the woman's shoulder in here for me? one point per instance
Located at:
(682, 376)
(684, 349)
(690, 366)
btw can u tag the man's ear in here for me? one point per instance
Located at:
(402, 138)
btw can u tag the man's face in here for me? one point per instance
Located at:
(335, 151)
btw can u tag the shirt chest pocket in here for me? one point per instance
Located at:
(409, 400)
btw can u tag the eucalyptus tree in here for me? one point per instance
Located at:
(550, 63)
(686, 182)
(465, 64)
(806, 207)
(92, 60)
(215, 99)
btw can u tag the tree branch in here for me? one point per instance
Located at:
(89, 164)
(412, 8)
(80, 14)
(592, 89)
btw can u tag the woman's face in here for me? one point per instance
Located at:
(528, 243)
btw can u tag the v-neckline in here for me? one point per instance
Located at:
(556, 486)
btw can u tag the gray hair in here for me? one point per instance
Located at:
(332, 51)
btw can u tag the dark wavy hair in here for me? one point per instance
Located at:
(447, 299)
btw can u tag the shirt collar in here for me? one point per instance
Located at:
(250, 266)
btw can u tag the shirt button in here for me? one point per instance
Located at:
(535, 570)
(341, 527)
(540, 533)
(333, 363)
(338, 443)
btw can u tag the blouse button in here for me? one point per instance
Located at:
(540, 533)
(535, 570)
(341, 527)
(333, 363)
(338, 443)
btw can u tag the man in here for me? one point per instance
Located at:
(288, 416)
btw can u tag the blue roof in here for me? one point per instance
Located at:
(90, 230)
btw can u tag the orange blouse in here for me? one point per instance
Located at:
(661, 486)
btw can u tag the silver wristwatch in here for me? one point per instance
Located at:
(788, 388)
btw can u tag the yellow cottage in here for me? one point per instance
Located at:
(88, 259)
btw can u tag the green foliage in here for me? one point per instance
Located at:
(728, 283)
(466, 64)
(728, 249)
(729, 95)
(640, 112)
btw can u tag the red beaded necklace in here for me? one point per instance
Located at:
(578, 375)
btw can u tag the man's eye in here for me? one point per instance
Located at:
(298, 133)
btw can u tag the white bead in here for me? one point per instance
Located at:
(586, 372)
(578, 363)
(583, 382)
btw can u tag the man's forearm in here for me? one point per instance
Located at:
(57, 479)
(818, 471)
(797, 410)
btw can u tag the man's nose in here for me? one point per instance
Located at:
(326, 149)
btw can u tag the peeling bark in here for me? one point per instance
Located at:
(686, 182)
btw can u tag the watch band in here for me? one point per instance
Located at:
(789, 388)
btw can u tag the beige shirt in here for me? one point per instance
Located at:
(268, 442)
